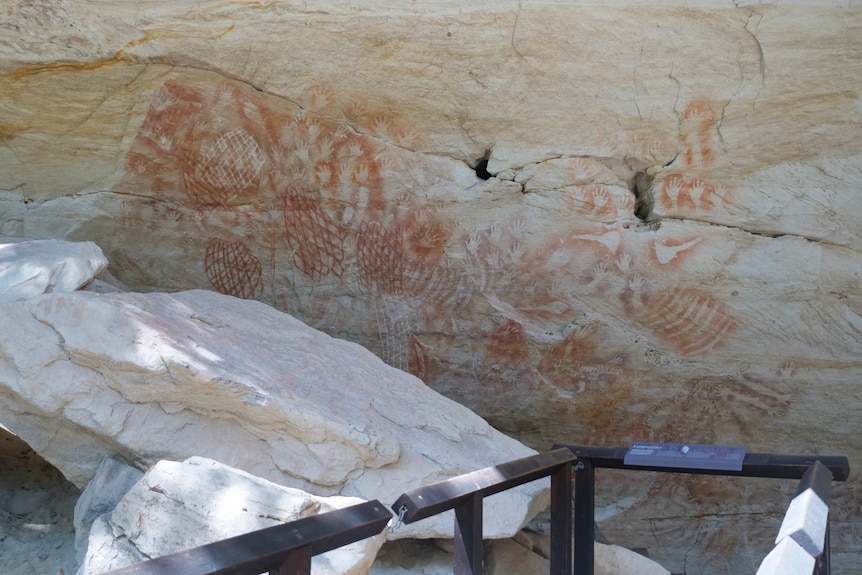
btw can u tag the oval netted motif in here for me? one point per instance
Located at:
(228, 168)
(233, 269)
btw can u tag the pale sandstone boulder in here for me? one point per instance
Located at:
(608, 559)
(412, 557)
(32, 268)
(111, 481)
(159, 376)
(320, 161)
(504, 557)
(510, 557)
(107, 283)
(177, 506)
(613, 559)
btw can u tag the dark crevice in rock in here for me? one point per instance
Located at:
(640, 186)
(481, 167)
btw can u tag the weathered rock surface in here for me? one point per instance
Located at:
(668, 247)
(111, 481)
(412, 556)
(611, 559)
(509, 557)
(503, 557)
(177, 506)
(159, 376)
(31, 268)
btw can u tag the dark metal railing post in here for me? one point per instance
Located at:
(822, 566)
(561, 521)
(585, 517)
(297, 563)
(468, 536)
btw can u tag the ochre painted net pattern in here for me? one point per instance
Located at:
(317, 240)
(380, 254)
(223, 170)
(233, 269)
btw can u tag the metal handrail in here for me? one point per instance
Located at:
(765, 465)
(465, 493)
(768, 465)
(287, 549)
(284, 549)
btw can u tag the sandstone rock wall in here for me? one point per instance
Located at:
(667, 247)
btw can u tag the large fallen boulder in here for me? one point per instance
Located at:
(169, 376)
(177, 506)
(31, 268)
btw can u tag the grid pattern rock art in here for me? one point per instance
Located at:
(233, 269)
(216, 173)
(380, 254)
(396, 323)
(315, 238)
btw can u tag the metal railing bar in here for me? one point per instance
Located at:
(274, 548)
(465, 494)
(765, 465)
(437, 497)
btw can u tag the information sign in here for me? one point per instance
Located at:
(690, 455)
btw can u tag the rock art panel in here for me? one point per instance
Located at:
(547, 296)
(285, 188)
(320, 211)
(327, 172)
